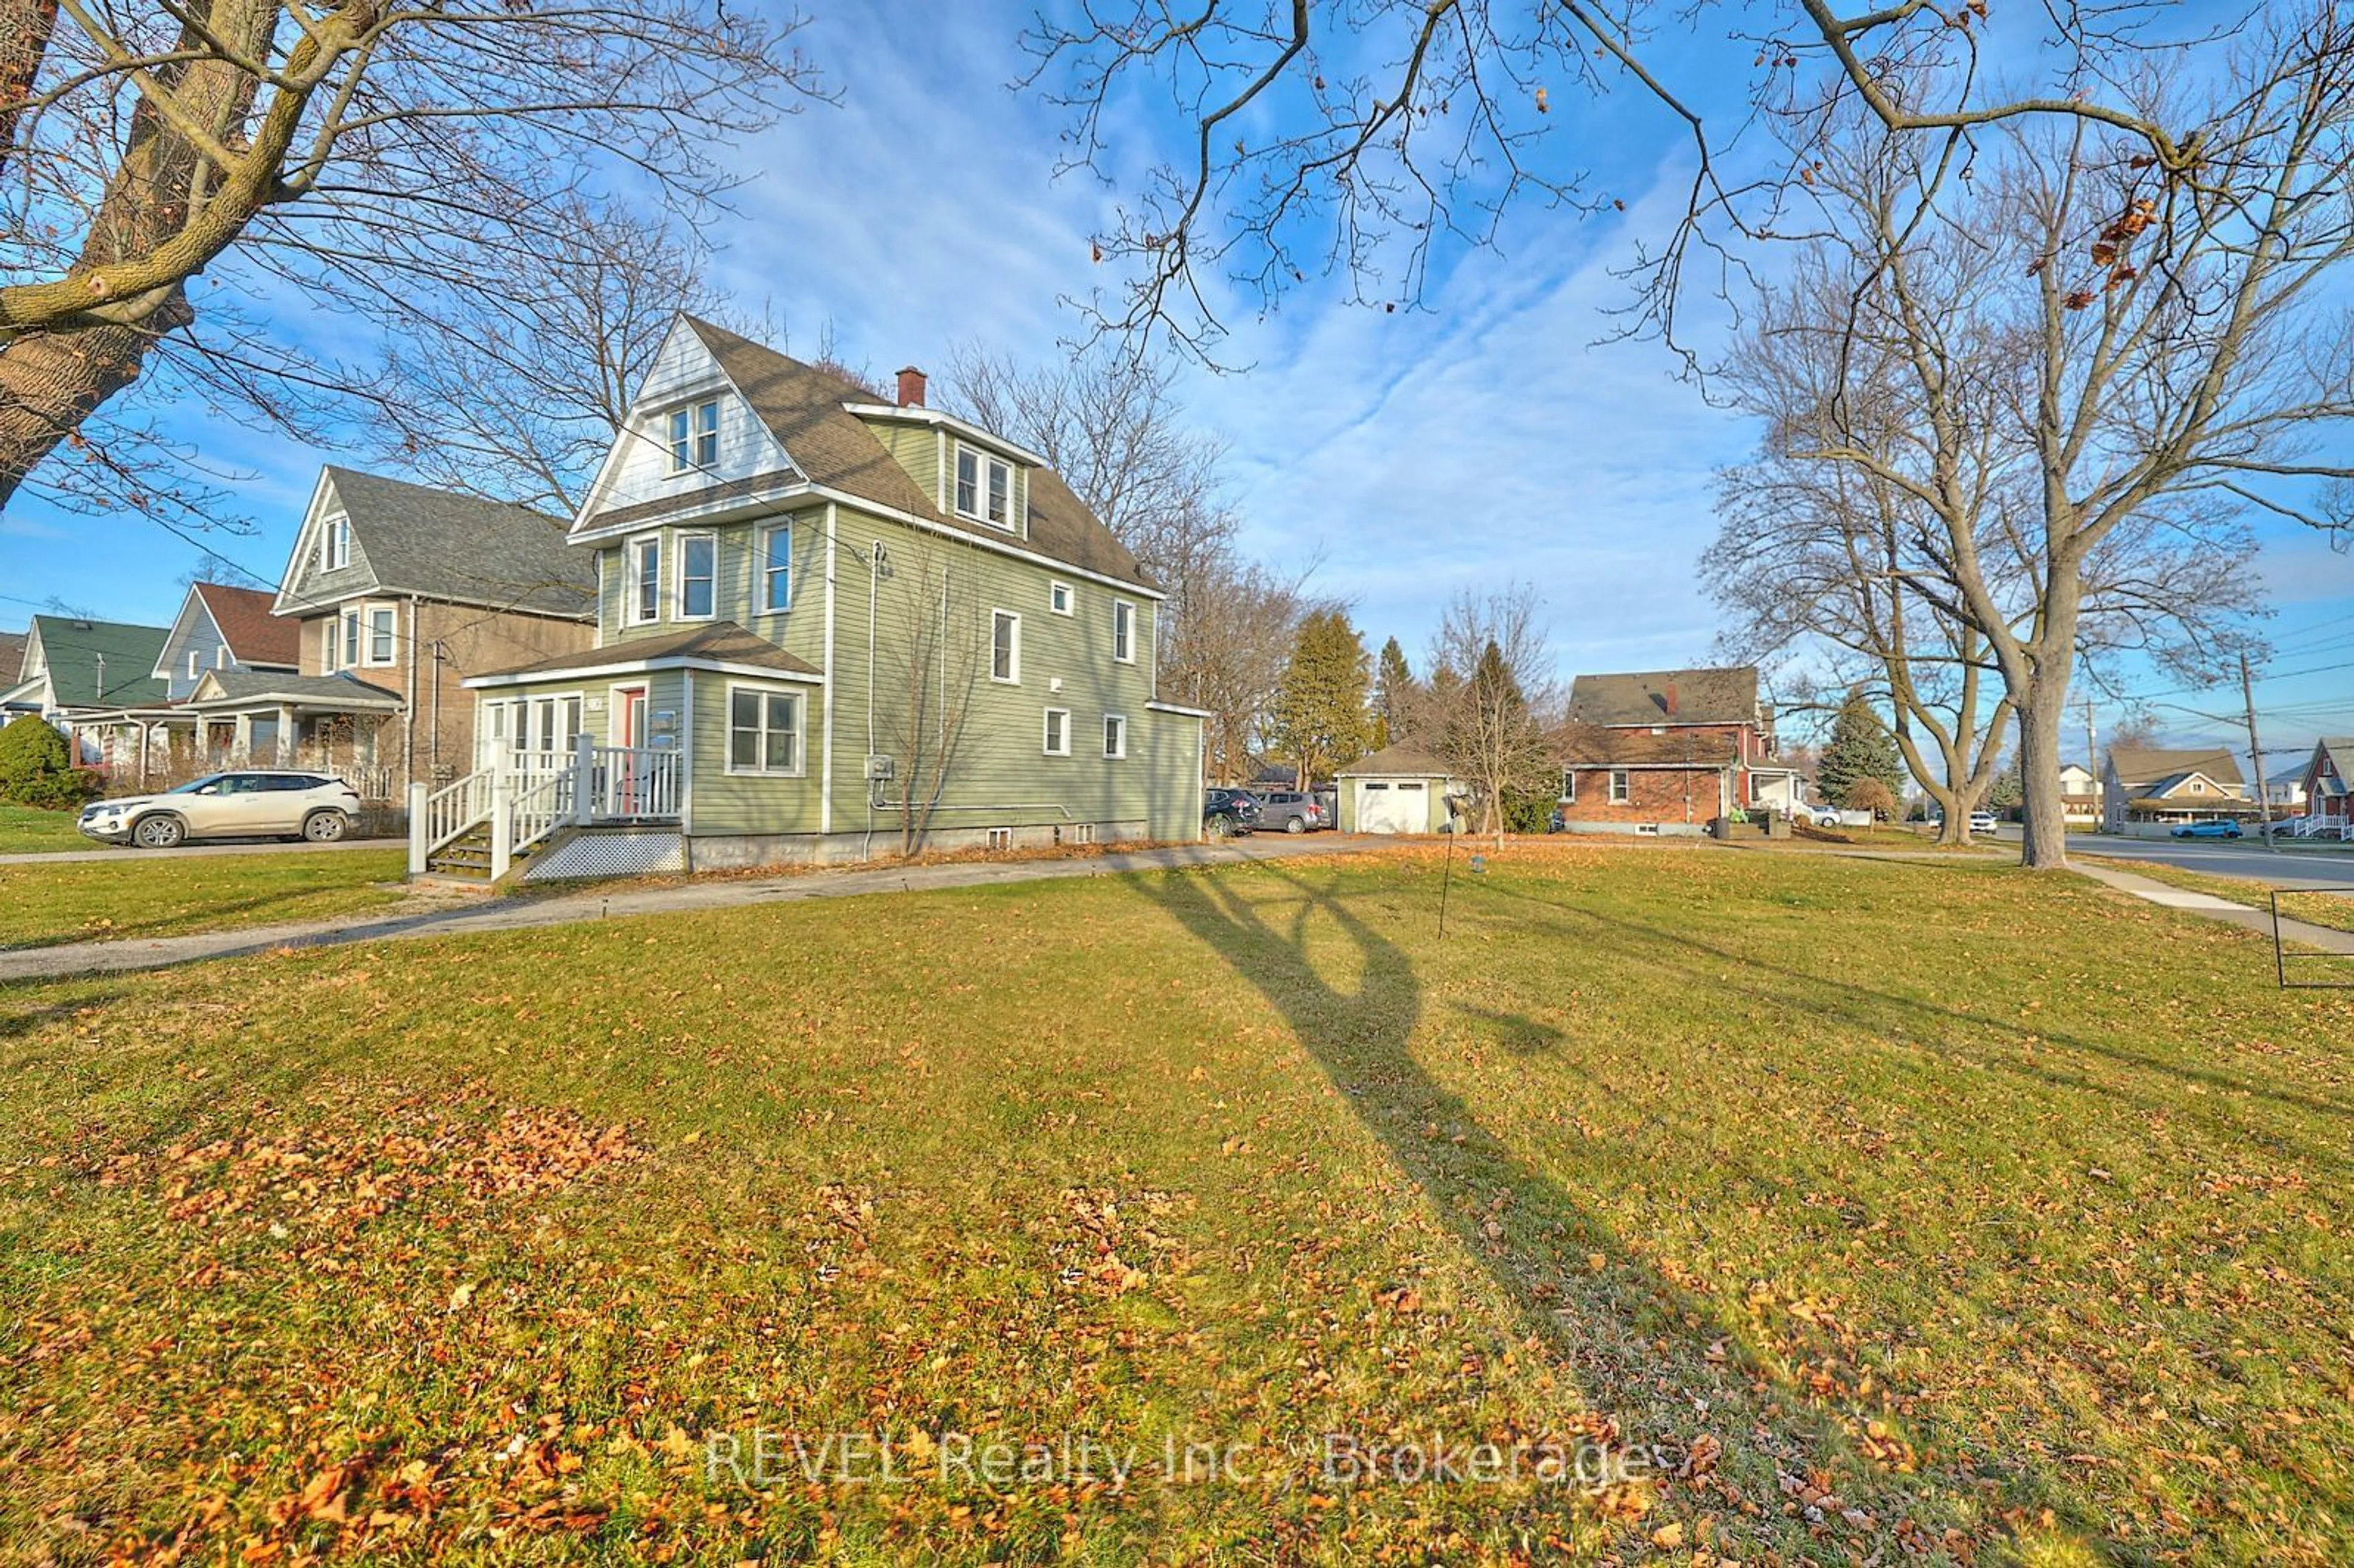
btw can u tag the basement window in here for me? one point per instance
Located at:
(1001, 838)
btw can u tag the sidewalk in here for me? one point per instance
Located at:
(2214, 909)
(478, 913)
(196, 852)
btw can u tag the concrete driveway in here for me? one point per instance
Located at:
(210, 846)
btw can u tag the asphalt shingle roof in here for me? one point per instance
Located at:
(254, 635)
(439, 545)
(2149, 769)
(803, 407)
(721, 643)
(12, 657)
(1641, 697)
(252, 686)
(1594, 746)
(72, 650)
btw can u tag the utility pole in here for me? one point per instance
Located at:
(2256, 755)
(2093, 765)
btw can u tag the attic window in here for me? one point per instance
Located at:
(334, 543)
(695, 437)
(984, 487)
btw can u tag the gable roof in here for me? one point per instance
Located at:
(243, 618)
(2152, 770)
(414, 539)
(805, 408)
(1641, 697)
(2338, 750)
(338, 691)
(12, 657)
(72, 650)
(1399, 761)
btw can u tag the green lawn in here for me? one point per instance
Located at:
(167, 896)
(1927, 1212)
(24, 831)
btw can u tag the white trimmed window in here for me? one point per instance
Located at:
(984, 487)
(699, 576)
(351, 639)
(1617, 786)
(695, 437)
(777, 568)
(1058, 732)
(1058, 597)
(1005, 647)
(196, 664)
(1569, 786)
(641, 587)
(1123, 632)
(380, 622)
(334, 543)
(220, 657)
(764, 731)
(1115, 734)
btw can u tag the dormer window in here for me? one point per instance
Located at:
(695, 437)
(984, 487)
(334, 543)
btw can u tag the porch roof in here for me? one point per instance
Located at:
(721, 645)
(239, 691)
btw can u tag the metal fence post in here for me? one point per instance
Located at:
(417, 829)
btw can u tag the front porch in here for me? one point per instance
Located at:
(482, 824)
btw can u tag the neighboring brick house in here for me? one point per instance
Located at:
(2328, 784)
(404, 591)
(1667, 750)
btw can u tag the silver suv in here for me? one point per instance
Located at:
(241, 805)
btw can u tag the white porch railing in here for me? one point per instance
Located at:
(523, 806)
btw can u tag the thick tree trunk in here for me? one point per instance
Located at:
(50, 382)
(2039, 755)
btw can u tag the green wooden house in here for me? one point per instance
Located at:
(830, 625)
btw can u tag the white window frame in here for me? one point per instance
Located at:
(1622, 787)
(691, 436)
(1115, 751)
(678, 608)
(985, 471)
(195, 663)
(335, 543)
(349, 624)
(1046, 726)
(800, 731)
(770, 570)
(634, 612)
(391, 612)
(1062, 598)
(220, 656)
(1569, 784)
(1123, 630)
(1013, 677)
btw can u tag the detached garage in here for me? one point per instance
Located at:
(1395, 791)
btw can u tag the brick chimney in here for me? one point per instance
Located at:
(911, 387)
(1671, 699)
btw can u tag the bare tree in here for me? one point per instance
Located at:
(929, 591)
(1814, 556)
(1354, 137)
(1492, 694)
(373, 162)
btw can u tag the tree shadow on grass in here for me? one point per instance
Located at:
(1622, 1327)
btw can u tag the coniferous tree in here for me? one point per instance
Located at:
(1859, 747)
(1396, 696)
(1320, 718)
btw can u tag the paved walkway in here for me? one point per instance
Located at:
(2258, 920)
(465, 913)
(196, 852)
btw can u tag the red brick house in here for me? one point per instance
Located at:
(1666, 750)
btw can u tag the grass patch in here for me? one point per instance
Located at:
(2332, 911)
(1900, 1207)
(24, 831)
(167, 896)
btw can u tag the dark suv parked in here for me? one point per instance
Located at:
(1226, 813)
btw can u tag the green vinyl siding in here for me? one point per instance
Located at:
(916, 448)
(726, 802)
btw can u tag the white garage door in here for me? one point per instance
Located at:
(1391, 806)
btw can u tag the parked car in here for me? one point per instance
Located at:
(1228, 812)
(1817, 816)
(1293, 812)
(1980, 822)
(255, 803)
(2216, 829)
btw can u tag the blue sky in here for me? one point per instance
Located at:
(1485, 438)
